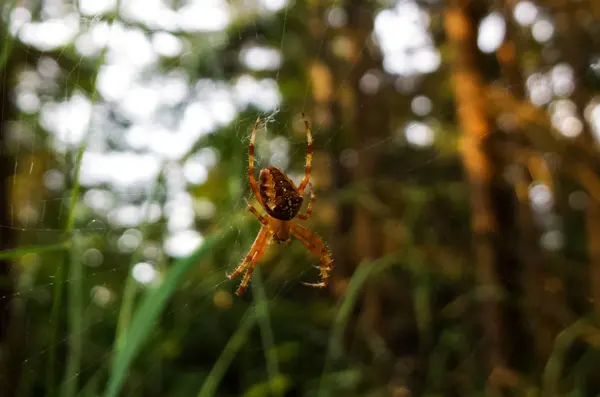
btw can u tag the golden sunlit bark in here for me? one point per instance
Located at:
(479, 168)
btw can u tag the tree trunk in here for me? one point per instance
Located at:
(527, 239)
(570, 19)
(480, 171)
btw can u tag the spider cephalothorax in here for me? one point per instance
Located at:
(281, 200)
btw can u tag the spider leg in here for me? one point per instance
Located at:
(258, 216)
(251, 178)
(304, 216)
(258, 244)
(318, 248)
(260, 250)
(309, 152)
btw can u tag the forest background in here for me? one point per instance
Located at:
(457, 179)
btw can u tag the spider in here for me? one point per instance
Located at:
(281, 199)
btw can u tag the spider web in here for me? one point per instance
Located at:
(130, 193)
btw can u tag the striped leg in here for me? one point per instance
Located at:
(260, 250)
(309, 152)
(251, 177)
(319, 249)
(258, 216)
(306, 215)
(258, 246)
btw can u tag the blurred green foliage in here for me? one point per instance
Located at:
(403, 315)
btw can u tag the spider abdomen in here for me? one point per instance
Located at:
(279, 194)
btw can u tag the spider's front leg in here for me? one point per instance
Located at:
(318, 248)
(258, 216)
(309, 154)
(251, 177)
(304, 216)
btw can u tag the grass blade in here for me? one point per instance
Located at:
(130, 291)
(152, 304)
(8, 39)
(362, 274)
(75, 295)
(75, 307)
(38, 249)
(75, 315)
(583, 329)
(237, 340)
(266, 331)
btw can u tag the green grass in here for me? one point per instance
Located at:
(74, 262)
(129, 292)
(154, 301)
(7, 38)
(583, 329)
(235, 343)
(266, 332)
(37, 249)
(340, 323)
(151, 306)
(74, 318)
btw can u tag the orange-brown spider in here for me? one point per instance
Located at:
(282, 200)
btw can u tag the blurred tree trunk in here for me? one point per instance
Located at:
(480, 171)
(8, 369)
(367, 125)
(527, 239)
(325, 74)
(366, 94)
(581, 98)
(571, 18)
(344, 97)
(338, 100)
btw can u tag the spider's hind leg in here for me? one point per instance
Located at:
(318, 248)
